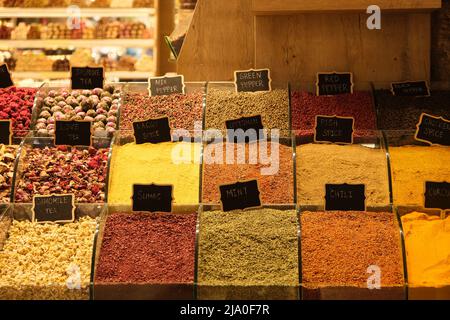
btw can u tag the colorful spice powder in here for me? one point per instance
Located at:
(427, 241)
(275, 187)
(164, 163)
(147, 248)
(63, 170)
(7, 160)
(306, 106)
(319, 164)
(411, 166)
(404, 112)
(17, 104)
(338, 248)
(183, 110)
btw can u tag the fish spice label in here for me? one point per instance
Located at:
(410, 89)
(334, 129)
(437, 195)
(251, 129)
(334, 83)
(53, 208)
(345, 197)
(73, 133)
(87, 78)
(240, 195)
(152, 197)
(5, 132)
(152, 131)
(163, 86)
(5, 77)
(433, 130)
(253, 80)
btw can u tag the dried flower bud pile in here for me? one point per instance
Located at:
(7, 158)
(17, 104)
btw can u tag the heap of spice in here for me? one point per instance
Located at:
(256, 248)
(427, 240)
(337, 248)
(63, 170)
(143, 248)
(100, 106)
(183, 110)
(47, 261)
(167, 163)
(319, 164)
(17, 104)
(306, 106)
(276, 186)
(397, 112)
(7, 159)
(223, 105)
(412, 166)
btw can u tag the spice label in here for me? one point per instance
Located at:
(437, 195)
(5, 132)
(53, 208)
(5, 77)
(167, 85)
(87, 77)
(433, 130)
(334, 83)
(240, 195)
(152, 131)
(253, 80)
(345, 197)
(73, 133)
(245, 129)
(152, 197)
(334, 129)
(410, 89)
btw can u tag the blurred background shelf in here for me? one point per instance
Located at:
(63, 75)
(84, 12)
(77, 43)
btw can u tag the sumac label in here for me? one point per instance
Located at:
(163, 86)
(345, 197)
(73, 133)
(437, 195)
(152, 131)
(334, 129)
(240, 195)
(433, 130)
(253, 80)
(5, 77)
(152, 197)
(87, 77)
(53, 208)
(5, 132)
(245, 129)
(410, 89)
(334, 83)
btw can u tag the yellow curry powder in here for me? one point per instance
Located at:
(427, 249)
(165, 163)
(412, 166)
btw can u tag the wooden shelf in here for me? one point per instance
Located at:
(43, 75)
(76, 43)
(270, 7)
(84, 12)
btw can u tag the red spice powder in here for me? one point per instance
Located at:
(147, 248)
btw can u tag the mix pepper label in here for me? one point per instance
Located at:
(6, 132)
(252, 124)
(334, 129)
(73, 133)
(152, 131)
(333, 83)
(87, 77)
(437, 195)
(5, 77)
(53, 208)
(410, 89)
(240, 195)
(253, 80)
(345, 197)
(152, 197)
(166, 85)
(433, 130)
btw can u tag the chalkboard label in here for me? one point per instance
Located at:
(167, 85)
(5, 77)
(240, 195)
(433, 130)
(345, 197)
(87, 78)
(73, 133)
(245, 129)
(53, 208)
(410, 89)
(437, 195)
(152, 197)
(334, 83)
(334, 129)
(5, 132)
(152, 131)
(253, 80)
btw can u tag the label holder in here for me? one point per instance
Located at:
(319, 74)
(5, 78)
(6, 124)
(139, 208)
(334, 117)
(151, 88)
(411, 82)
(265, 70)
(419, 126)
(164, 137)
(72, 203)
(345, 185)
(56, 143)
(257, 202)
(79, 86)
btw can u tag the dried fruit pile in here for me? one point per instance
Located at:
(7, 157)
(17, 104)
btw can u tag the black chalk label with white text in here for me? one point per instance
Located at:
(410, 89)
(167, 85)
(334, 83)
(152, 197)
(240, 195)
(87, 77)
(345, 197)
(73, 133)
(253, 80)
(5, 132)
(334, 129)
(437, 195)
(53, 208)
(251, 129)
(5, 77)
(152, 131)
(433, 130)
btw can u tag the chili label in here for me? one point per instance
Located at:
(345, 197)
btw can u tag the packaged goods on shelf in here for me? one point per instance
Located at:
(251, 254)
(31, 61)
(145, 63)
(81, 57)
(7, 160)
(5, 31)
(61, 65)
(143, 3)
